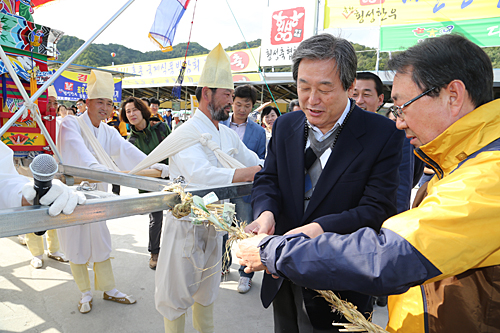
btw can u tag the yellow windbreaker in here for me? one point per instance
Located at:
(457, 226)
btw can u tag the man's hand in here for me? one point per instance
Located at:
(161, 167)
(249, 255)
(245, 174)
(62, 198)
(312, 230)
(264, 224)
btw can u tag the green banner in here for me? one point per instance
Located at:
(483, 32)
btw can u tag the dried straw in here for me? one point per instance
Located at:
(236, 232)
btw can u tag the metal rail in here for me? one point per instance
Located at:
(23, 220)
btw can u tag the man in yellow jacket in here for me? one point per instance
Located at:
(443, 257)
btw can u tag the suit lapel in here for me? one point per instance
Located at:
(294, 149)
(345, 151)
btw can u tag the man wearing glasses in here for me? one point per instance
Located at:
(442, 257)
(81, 106)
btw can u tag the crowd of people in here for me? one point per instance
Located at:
(331, 200)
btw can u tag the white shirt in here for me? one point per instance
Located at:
(239, 128)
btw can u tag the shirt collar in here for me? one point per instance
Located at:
(317, 132)
(237, 125)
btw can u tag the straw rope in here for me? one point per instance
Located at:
(358, 322)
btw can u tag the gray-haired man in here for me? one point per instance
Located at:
(338, 172)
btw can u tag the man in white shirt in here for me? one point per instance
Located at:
(188, 267)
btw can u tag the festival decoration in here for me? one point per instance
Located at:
(176, 90)
(19, 33)
(113, 54)
(24, 136)
(167, 17)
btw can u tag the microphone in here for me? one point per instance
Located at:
(43, 167)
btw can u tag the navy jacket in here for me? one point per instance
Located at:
(356, 189)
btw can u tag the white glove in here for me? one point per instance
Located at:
(62, 198)
(161, 167)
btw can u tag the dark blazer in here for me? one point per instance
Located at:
(356, 189)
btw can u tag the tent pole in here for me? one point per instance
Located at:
(49, 82)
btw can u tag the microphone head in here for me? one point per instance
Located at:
(43, 167)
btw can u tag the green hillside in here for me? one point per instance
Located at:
(98, 55)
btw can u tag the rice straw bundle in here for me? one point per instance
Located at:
(213, 213)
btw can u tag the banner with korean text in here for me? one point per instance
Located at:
(404, 23)
(286, 24)
(165, 72)
(72, 86)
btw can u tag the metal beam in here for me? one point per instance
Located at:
(23, 220)
(125, 179)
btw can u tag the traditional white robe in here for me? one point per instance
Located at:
(11, 183)
(91, 242)
(189, 263)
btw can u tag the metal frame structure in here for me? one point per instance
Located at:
(35, 218)
(29, 102)
(17, 221)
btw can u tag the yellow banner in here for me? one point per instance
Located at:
(136, 82)
(241, 61)
(376, 13)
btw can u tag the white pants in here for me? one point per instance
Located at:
(188, 268)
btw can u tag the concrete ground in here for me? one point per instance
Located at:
(45, 300)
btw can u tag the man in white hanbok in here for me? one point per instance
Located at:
(188, 269)
(87, 141)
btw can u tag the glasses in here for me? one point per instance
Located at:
(397, 111)
(79, 104)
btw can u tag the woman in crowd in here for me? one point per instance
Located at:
(72, 110)
(146, 137)
(62, 111)
(268, 116)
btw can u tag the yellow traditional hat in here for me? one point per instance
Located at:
(217, 70)
(100, 85)
(52, 92)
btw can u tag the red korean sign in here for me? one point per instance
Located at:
(239, 61)
(288, 26)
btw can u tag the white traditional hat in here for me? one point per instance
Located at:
(100, 85)
(217, 70)
(52, 92)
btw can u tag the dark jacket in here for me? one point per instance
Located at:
(149, 138)
(357, 188)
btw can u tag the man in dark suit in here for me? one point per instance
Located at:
(331, 168)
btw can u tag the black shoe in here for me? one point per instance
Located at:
(382, 301)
